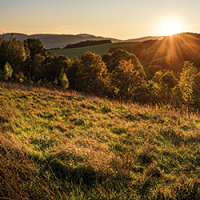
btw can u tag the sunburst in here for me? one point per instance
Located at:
(171, 28)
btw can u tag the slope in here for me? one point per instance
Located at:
(67, 145)
(97, 49)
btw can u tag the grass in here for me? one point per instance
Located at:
(97, 49)
(67, 145)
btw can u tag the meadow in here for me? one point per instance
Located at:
(58, 144)
(97, 49)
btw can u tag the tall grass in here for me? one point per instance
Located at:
(66, 145)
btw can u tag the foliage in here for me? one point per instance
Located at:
(170, 52)
(34, 62)
(54, 65)
(196, 91)
(72, 70)
(112, 60)
(152, 69)
(7, 72)
(167, 82)
(118, 74)
(91, 67)
(63, 79)
(127, 79)
(35, 47)
(186, 82)
(13, 52)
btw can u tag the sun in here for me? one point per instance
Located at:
(171, 28)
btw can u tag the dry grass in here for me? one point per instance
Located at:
(66, 145)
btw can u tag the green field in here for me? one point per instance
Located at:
(97, 49)
(67, 145)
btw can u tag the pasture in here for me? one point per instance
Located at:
(97, 49)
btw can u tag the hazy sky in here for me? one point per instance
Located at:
(121, 19)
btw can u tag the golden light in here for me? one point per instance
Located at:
(171, 28)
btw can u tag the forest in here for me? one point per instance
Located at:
(152, 72)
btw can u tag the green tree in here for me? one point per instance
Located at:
(152, 69)
(196, 91)
(112, 60)
(7, 72)
(91, 67)
(35, 46)
(187, 83)
(13, 52)
(72, 70)
(36, 55)
(167, 82)
(54, 65)
(128, 80)
(64, 80)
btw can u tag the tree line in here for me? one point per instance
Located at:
(118, 75)
(87, 43)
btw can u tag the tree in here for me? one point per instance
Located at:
(128, 79)
(91, 67)
(36, 55)
(152, 69)
(115, 57)
(64, 80)
(167, 82)
(187, 83)
(72, 70)
(13, 52)
(7, 72)
(35, 46)
(53, 65)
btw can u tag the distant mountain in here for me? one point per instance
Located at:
(54, 40)
(142, 39)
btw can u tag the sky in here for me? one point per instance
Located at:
(122, 19)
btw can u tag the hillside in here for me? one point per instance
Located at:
(98, 49)
(142, 39)
(67, 145)
(170, 52)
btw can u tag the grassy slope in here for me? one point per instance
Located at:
(97, 49)
(65, 145)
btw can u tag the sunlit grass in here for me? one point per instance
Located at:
(66, 145)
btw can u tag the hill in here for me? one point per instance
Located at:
(142, 39)
(54, 40)
(97, 49)
(170, 52)
(67, 145)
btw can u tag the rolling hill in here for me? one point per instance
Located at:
(97, 49)
(56, 40)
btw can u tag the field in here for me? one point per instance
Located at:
(67, 145)
(97, 49)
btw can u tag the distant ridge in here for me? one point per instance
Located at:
(142, 39)
(56, 40)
